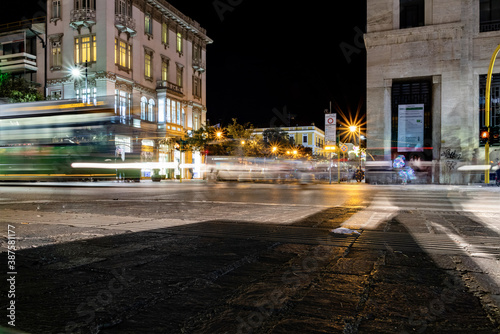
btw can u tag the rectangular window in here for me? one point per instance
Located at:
(164, 33)
(179, 42)
(161, 110)
(196, 55)
(147, 65)
(56, 55)
(489, 15)
(129, 49)
(85, 49)
(164, 70)
(174, 111)
(77, 51)
(178, 80)
(85, 4)
(412, 13)
(178, 112)
(56, 9)
(148, 24)
(122, 54)
(304, 139)
(197, 87)
(168, 111)
(94, 48)
(122, 104)
(121, 7)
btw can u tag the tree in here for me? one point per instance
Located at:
(206, 140)
(242, 141)
(17, 89)
(276, 136)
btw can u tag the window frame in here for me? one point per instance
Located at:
(407, 21)
(164, 33)
(90, 49)
(148, 24)
(55, 10)
(148, 64)
(179, 43)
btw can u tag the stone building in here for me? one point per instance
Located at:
(146, 54)
(427, 62)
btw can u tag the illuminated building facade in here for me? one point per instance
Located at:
(306, 136)
(427, 62)
(146, 54)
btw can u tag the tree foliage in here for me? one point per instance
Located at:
(17, 89)
(239, 140)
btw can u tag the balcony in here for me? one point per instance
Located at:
(126, 24)
(199, 65)
(170, 87)
(82, 18)
(17, 62)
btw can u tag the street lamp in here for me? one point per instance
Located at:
(76, 72)
(274, 150)
(353, 129)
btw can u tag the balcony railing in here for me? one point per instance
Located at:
(199, 65)
(82, 18)
(125, 23)
(17, 62)
(489, 26)
(163, 84)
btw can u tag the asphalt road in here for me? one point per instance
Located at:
(250, 258)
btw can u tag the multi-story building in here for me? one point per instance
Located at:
(306, 136)
(146, 54)
(427, 62)
(21, 49)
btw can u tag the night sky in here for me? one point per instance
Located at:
(271, 63)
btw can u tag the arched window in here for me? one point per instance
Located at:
(151, 110)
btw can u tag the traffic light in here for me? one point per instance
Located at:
(494, 135)
(484, 136)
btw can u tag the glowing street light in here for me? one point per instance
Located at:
(353, 129)
(77, 73)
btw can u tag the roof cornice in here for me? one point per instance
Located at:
(175, 15)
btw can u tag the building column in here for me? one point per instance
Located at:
(387, 144)
(436, 129)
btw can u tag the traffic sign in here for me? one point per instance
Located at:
(343, 148)
(330, 128)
